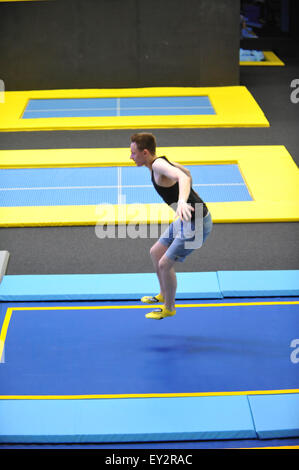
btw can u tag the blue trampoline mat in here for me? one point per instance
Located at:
(111, 185)
(97, 107)
(70, 349)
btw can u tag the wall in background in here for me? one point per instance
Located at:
(119, 43)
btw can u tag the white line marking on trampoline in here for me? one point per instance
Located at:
(28, 111)
(119, 193)
(118, 106)
(118, 187)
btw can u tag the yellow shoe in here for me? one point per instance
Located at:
(160, 313)
(152, 300)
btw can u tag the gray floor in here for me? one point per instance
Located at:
(55, 250)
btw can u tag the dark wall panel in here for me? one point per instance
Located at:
(67, 44)
(119, 43)
(189, 43)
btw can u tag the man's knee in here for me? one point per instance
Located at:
(157, 251)
(165, 263)
(153, 252)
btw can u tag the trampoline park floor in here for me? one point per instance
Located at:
(99, 372)
(209, 347)
(245, 346)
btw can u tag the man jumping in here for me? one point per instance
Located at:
(189, 230)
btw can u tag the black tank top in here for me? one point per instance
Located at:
(171, 194)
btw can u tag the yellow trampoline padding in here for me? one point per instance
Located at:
(270, 173)
(85, 215)
(270, 59)
(47, 158)
(234, 107)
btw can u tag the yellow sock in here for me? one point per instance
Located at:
(152, 300)
(160, 313)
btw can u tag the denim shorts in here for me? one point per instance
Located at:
(182, 238)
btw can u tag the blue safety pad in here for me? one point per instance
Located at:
(126, 420)
(111, 185)
(103, 107)
(132, 285)
(259, 283)
(103, 286)
(205, 348)
(275, 415)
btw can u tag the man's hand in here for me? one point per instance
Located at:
(184, 210)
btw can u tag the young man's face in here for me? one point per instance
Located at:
(139, 156)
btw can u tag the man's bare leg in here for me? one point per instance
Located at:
(157, 251)
(169, 281)
(169, 285)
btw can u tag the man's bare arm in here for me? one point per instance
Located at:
(184, 210)
(182, 168)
